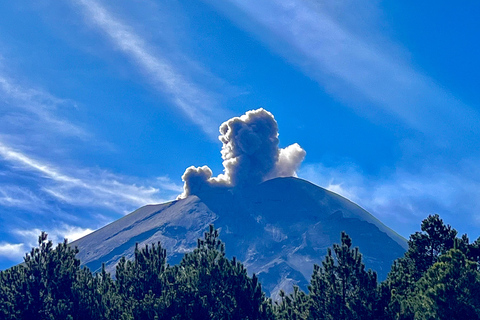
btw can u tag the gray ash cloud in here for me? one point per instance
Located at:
(250, 155)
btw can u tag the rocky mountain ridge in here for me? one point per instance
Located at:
(278, 229)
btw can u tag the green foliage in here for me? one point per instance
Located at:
(294, 306)
(11, 292)
(205, 285)
(209, 286)
(398, 289)
(450, 289)
(342, 288)
(48, 285)
(139, 284)
(426, 248)
(438, 278)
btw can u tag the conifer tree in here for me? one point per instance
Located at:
(88, 299)
(113, 304)
(50, 275)
(342, 288)
(425, 247)
(207, 285)
(140, 284)
(294, 306)
(48, 285)
(12, 292)
(398, 291)
(449, 290)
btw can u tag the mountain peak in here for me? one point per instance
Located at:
(278, 229)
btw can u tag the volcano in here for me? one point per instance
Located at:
(278, 229)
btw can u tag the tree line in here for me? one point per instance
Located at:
(437, 278)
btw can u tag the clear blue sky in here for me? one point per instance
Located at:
(103, 104)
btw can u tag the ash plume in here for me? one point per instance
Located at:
(250, 155)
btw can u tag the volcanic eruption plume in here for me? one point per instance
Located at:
(250, 155)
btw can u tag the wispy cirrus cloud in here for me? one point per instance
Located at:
(352, 69)
(24, 108)
(87, 188)
(402, 199)
(28, 113)
(29, 238)
(49, 187)
(375, 79)
(194, 101)
(20, 197)
(167, 184)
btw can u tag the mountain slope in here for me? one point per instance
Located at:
(278, 229)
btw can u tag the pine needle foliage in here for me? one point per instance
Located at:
(437, 278)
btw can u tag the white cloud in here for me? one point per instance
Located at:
(339, 189)
(194, 101)
(25, 108)
(166, 183)
(20, 197)
(75, 233)
(27, 113)
(55, 234)
(12, 251)
(351, 68)
(402, 199)
(29, 238)
(87, 187)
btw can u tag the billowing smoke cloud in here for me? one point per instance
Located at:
(250, 155)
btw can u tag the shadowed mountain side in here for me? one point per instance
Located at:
(285, 225)
(278, 229)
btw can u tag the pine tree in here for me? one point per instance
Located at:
(449, 290)
(50, 277)
(425, 247)
(113, 304)
(342, 288)
(88, 299)
(294, 306)
(141, 283)
(48, 285)
(398, 290)
(12, 292)
(207, 285)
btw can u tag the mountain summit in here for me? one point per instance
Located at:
(277, 225)
(278, 229)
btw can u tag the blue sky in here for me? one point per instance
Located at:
(103, 106)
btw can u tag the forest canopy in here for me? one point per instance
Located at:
(437, 278)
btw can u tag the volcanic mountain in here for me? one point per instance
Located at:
(278, 229)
